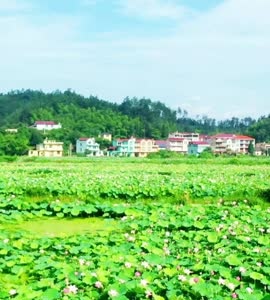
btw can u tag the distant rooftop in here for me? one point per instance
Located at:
(45, 123)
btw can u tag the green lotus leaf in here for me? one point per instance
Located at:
(212, 237)
(264, 240)
(233, 260)
(50, 294)
(206, 289)
(60, 215)
(199, 225)
(256, 276)
(170, 272)
(4, 251)
(45, 282)
(75, 212)
(156, 297)
(34, 245)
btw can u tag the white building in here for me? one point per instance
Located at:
(11, 130)
(46, 125)
(190, 136)
(262, 149)
(177, 144)
(179, 141)
(224, 142)
(106, 136)
(48, 148)
(88, 146)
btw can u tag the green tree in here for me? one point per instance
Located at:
(12, 144)
(36, 137)
(103, 143)
(251, 148)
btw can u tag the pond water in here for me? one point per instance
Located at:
(56, 227)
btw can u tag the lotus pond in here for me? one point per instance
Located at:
(134, 231)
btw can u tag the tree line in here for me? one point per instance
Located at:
(90, 116)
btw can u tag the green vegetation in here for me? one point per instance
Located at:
(158, 250)
(178, 179)
(90, 116)
(57, 227)
(164, 229)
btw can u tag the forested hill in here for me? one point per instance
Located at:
(90, 116)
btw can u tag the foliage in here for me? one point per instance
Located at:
(261, 129)
(90, 116)
(103, 143)
(206, 153)
(157, 250)
(13, 144)
(251, 148)
(177, 179)
(164, 154)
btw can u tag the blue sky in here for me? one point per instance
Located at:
(210, 57)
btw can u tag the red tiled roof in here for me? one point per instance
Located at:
(199, 143)
(204, 136)
(45, 123)
(175, 139)
(161, 142)
(232, 136)
(84, 138)
(224, 135)
(244, 137)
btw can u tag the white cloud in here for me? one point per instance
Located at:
(221, 55)
(153, 9)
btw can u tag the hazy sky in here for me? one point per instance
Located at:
(206, 56)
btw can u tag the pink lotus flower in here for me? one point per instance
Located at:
(113, 293)
(148, 294)
(98, 285)
(144, 282)
(71, 289)
(137, 274)
(12, 292)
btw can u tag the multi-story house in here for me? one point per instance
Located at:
(49, 148)
(123, 147)
(46, 125)
(196, 148)
(162, 144)
(106, 136)
(85, 145)
(133, 147)
(190, 136)
(177, 144)
(143, 147)
(262, 149)
(228, 142)
(204, 138)
(179, 141)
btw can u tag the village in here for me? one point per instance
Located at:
(185, 143)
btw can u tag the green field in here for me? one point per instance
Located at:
(135, 229)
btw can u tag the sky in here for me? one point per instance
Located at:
(209, 57)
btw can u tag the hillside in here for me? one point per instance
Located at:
(81, 116)
(90, 116)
